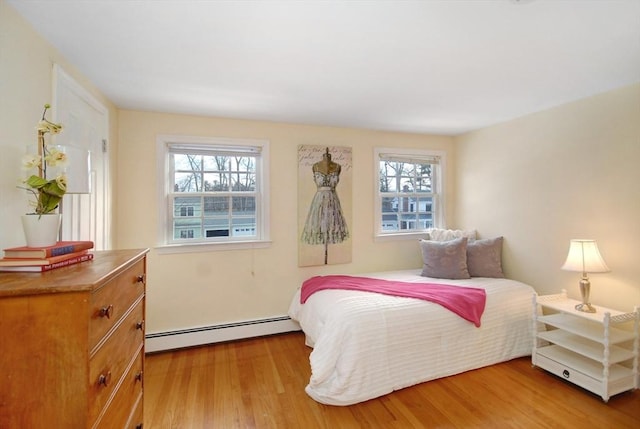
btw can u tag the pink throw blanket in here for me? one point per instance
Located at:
(466, 302)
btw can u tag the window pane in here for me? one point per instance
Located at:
(425, 221)
(423, 178)
(187, 233)
(186, 227)
(186, 162)
(389, 204)
(389, 221)
(392, 184)
(216, 182)
(187, 176)
(388, 171)
(244, 206)
(406, 169)
(243, 182)
(216, 163)
(216, 206)
(243, 163)
(187, 182)
(182, 206)
(408, 221)
(216, 227)
(405, 204)
(425, 204)
(244, 227)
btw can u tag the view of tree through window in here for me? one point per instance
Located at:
(214, 195)
(406, 194)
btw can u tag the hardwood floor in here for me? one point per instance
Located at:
(259, 383)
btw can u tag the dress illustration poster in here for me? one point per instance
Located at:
(324, 205)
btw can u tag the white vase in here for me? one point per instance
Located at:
(41, 230)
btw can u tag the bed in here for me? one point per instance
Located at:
(366, 344)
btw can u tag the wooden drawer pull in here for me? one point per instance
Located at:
(139, 376)
(107, 311)
(104, 380)
(140, 278)
(140, 325)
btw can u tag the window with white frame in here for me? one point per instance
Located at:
(409, 192)
(214, 190)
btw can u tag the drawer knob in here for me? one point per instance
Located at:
(139, 376)
(140, 325)
(139, 426)
(106, 311)
(140, 278)
(104, 380)
(566, 373)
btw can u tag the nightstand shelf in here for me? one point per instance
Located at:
(585, 328)
(586, 348)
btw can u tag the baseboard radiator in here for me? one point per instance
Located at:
(160, 341)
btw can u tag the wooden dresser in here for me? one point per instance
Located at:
(72, 344)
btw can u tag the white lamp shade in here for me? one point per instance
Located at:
(585, 257)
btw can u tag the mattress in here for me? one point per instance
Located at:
(366, 345)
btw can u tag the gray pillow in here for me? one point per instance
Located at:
(445, 259)
(484, 258)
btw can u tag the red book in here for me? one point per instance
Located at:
(60, 248)
(43, 268)
(21, 262)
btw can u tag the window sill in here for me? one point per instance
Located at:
(166, 249)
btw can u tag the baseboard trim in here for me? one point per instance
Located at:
(161, 341)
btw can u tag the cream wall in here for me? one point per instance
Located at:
(568, 172)
(201, 289)
(26, 67)
(539, 180)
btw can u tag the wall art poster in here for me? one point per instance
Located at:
(324, 205)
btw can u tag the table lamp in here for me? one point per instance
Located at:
(585, 257)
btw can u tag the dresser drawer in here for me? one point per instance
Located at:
(111, 301)
(127, 399)
(136, 419)
(52, 349)
(110, 362)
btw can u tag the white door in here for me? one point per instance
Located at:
(86, 126)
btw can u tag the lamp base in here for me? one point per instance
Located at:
(585, 288)
(587, 308)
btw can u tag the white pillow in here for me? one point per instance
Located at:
(438, 234)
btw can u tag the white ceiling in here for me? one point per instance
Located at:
(442, 67)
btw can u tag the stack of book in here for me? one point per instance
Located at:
(40, 259)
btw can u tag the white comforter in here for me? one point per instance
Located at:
(366, 345)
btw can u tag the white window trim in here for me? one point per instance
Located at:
(439, 216)
(164, 182)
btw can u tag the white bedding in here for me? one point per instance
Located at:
(366, 345)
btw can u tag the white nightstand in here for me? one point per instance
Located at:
(596, 351)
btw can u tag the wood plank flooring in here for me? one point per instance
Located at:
(259, 383)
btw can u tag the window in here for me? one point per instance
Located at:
(187, 233)
(214, 190)
(186, 211)
(409, 191)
